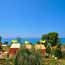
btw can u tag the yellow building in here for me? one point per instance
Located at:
(40, 47)
(28, 45)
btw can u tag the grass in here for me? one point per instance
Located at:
(35, 56)
(48, 61)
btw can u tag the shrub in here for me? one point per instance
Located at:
(28, 57)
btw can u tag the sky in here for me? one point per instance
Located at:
(31, 18)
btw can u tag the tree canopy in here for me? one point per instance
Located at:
(0, 38)
(51, 37)
(18, 39)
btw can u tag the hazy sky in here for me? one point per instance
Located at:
(31, 18)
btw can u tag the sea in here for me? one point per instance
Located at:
(32, 40)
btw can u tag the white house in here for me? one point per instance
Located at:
(14, 48)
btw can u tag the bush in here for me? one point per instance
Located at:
(51, 37)
(58, 53)
(28, 57)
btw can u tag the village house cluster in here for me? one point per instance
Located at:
(11, 50)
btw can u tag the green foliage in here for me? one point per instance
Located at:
(0, 42)
(54, 37)
(48, 50)
(18, 39)
(63, 54)
(58, 53)
(28, 57)
(53, 62)
(38, 42)
(58, 45)
(51, 37)
(0, 38)
(45, 37)
(6, 42)
(16, 61)
(0, 45)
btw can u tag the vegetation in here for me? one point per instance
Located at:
(6, 42)
(0, 45)
(29, 57)
(18, 39)
(51, 38)
(56, 56)
(48, 49)
(58, 53)
(0, 38)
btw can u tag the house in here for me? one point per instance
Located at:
(27, 45)
(5, 47)
(14, 49)
(43, 49)
(1, 53)
(40, 47)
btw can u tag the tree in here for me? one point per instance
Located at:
(0, 45)
(38, 42)
(45, 37)
(58, 53)
(59, 45)
(28, 57)
(18, 39)
(51, 37)
(48, 50)
(0, 38)
(6, 42)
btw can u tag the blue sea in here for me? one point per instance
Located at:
(32, 40)
(62, 40)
